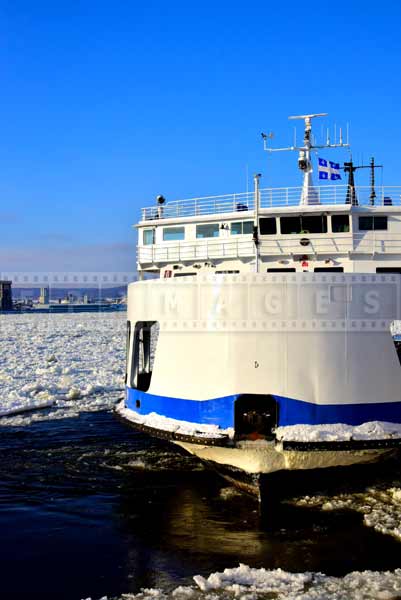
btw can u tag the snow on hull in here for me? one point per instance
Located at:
(338, 432)
(161, 423)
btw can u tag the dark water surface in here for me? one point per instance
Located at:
(88, 507)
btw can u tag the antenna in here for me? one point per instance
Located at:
(309, 194)
(309, 116)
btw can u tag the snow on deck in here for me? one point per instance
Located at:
(156, 421)
(72, 362)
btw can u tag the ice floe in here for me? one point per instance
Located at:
(70, 363)
(380, 506)
(246, 583)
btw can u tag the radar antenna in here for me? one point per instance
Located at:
(309, 193)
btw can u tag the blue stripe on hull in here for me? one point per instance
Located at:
(220, 411)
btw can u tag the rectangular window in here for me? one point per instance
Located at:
(388, 270)
(340, 223)
(172, 234)
(289, 270)
(241, 227)
(303, 224)
(268, 226)
(314, 224)
(207, 230)
(148, 237)
(290, 225)
(329, 269)
(372, 223)
(145, 338)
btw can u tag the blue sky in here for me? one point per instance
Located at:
(104, 105)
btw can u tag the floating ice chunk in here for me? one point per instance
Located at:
(246, 583)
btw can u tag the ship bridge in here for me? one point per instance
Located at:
(344, 229)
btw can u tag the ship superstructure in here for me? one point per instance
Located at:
(264, 341)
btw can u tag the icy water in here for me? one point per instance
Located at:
(89, 508)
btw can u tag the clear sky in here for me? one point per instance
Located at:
(106, 104)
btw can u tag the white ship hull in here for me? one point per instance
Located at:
(245, 364)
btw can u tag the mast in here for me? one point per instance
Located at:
(351, 193)
(372, 182)
(309, 194)
(349, 168)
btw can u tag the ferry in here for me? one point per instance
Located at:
(259, 333)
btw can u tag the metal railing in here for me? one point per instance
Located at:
(330, 244)
(273, 198)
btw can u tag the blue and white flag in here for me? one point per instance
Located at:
(328, 169)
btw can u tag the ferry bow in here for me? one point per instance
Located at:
(264, 343)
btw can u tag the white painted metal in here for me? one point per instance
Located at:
(323, 338)
(328, 195)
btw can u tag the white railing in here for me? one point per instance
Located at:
(273, 198)
(330, 244)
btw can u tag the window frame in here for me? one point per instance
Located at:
(373, 218)
(216, 227)
(148, 230)
(242, 223)
(333, 216)
(177, 239)
(271, 219)
(302, 229)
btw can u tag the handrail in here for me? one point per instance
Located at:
(272, 198)
(331, 244)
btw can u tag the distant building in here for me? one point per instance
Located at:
(6, 298)
(44, 295)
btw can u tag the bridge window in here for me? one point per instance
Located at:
(340, 223)
(303, 224)
(268, 226)
(241, 227)
(148, 237)
(144, 344)
(172, 234)
(372, 223)
(209, 230)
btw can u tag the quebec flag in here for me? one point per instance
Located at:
(328, 169)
